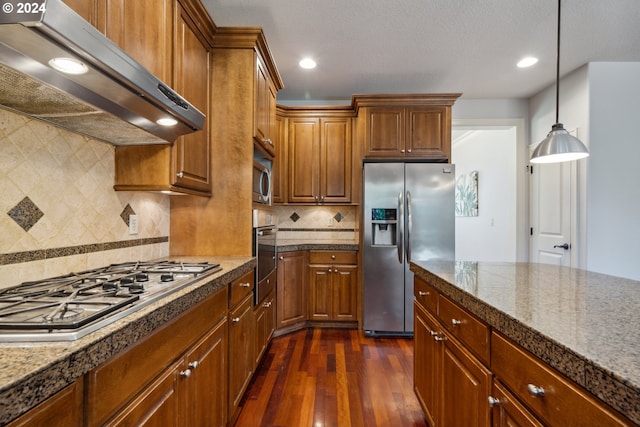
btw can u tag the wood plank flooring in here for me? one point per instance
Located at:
(333, 378)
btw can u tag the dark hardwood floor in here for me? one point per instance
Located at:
(333, 378)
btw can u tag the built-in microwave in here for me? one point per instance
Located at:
(261, 192)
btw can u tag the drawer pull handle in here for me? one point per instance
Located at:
(535, 391)
(439, 338)
(493, 401)
(456, 322)
(235, 320)
(423, 293)
(246, 285)
(186, 373)
(433, 333)
(194, 364)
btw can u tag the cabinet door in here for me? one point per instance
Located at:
(156, 406)
(142, 29)
(335, 158)
(427, 381)
(466, 388)
(190, 154)
(279, 169)
(428, 132)
(291, 285)
(241, 342)
(265, 324)
(344, 280)
(320, 293)
(84, 8)
(304, 164)
(205, 389)
(384, 133)
(264, 107)
(64, 409)
(508, 412)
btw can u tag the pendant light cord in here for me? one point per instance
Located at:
(558, 69)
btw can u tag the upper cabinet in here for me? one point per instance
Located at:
(174, 44)
(264, 109)
(318, 156)
(84, 8)
(406, 126)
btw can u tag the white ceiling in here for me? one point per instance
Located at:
(431, 46)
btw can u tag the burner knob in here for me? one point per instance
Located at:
(126, 281)
(167, 277)
(142, 277)
(136, 288)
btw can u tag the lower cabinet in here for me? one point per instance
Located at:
(507, 411)
(291, 286)
(241, 345)
(333, 285)
(174, 377)
(265, 315)
(64, 409)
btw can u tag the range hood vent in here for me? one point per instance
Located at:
(116, 100)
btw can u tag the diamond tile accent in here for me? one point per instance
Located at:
(128, 210)
(294, 217)
(338, 217)
(26, 214)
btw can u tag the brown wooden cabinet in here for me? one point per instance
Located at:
(406, 126)
(149, 380)
(279, 172)
(507, 410)
(426, 370)
(84, 8)
(264, 109)
(265, 315)
(241, 339)
(176, 48)
(64, 409)
(319, 159)
(291, 288)
(333, 280)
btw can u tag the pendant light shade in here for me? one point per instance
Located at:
(559, 145)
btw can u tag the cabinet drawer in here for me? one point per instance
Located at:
(471, 331)
(426, 295)
(333, 257)
(240, 288)
(558, 401)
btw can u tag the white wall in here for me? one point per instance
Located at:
(613, 184)
(491, 236)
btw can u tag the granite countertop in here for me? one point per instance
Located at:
(584, 324)
(32, 372)
(291, 245)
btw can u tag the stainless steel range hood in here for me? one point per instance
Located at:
(116, 100)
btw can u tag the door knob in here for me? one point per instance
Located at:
(564, 246)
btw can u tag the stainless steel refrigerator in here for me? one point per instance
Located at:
(409, 214)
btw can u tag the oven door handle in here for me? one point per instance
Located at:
(267, 232)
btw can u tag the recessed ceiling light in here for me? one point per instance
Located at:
(68, 65)
(307, 63)
(527, 62)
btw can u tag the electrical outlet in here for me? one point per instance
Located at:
(133, 224)
(330, 222)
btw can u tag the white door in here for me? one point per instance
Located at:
(553, 213)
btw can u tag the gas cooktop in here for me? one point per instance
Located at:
(69, 307)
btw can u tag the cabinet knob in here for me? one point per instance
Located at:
(186, 373)
(432, 333)
(235, 320)
(194, 364)
(456, 322)
(281, 258)
(266, 304)
(493, 401)
(180, 174)
(246, 285)
(402, 150)
(535, 391)
(329, 270)
(409, 150)
(438, 338)
(333, 257)
(423, 293)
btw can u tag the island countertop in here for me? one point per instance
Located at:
(30, 372)
(584, 324)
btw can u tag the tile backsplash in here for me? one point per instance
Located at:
(317, 222)
(58, 210)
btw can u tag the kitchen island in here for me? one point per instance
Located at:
(584, 325)
(32, 372)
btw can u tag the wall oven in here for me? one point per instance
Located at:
(265, 251)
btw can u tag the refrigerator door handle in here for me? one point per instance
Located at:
(399, 228)
(408, 239)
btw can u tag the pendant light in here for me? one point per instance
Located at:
(559, 145)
